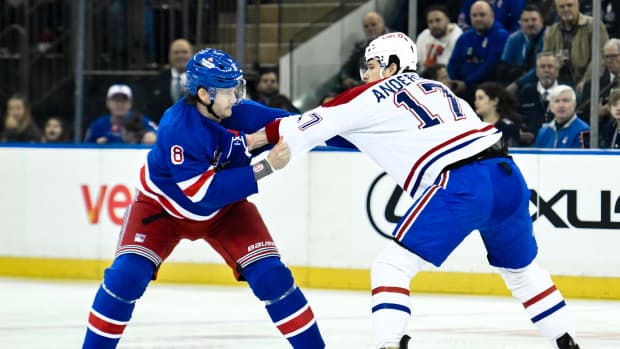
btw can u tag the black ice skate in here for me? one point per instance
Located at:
(404, 342)
(401, 345)
(566, 342)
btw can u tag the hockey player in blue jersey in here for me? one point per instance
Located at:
(193, 186)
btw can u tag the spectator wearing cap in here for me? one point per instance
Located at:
(107, 129)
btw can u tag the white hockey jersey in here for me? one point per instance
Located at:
(411, 127)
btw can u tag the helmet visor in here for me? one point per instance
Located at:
(363, 64)
(238, 92)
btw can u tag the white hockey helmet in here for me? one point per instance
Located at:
(393, 44)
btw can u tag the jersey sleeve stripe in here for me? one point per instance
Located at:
(199, 185)
(149, 189)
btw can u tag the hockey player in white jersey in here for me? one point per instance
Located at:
(454, 167)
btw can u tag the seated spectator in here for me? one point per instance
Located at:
(134, 131)
(19, 125)
(438, 72)
(56, 130)
(609, 136)
(506, 13)
(107, 128)
(566, 129)
(477, 51)
(571, 40)
(436, 43)
(534, 97)
(497, 107)
(518, 62)
(349, 74)
(609, 80)
(268, 91)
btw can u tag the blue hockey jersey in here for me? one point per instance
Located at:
(198, 166)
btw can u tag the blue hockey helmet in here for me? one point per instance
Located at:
(212, 69)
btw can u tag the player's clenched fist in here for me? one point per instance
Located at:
(280, 155)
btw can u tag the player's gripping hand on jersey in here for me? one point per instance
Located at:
(277, 158)
(280, 155)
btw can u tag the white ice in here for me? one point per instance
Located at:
(52, 314)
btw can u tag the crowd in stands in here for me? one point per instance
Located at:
(523, 65)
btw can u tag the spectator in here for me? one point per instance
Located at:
(547, 8)
(534, 97)
(609, 80)
(477, 51)
(497, 107)
(19, 125)
(436, 43)
(349, 73)
(518, 62)
(609, 135)
(438, 72)
(56, 131)
(268, 91)
(134, 131)
(169, 85)
(566, 129)
(506, 13)
(107, 128)
(609, 12)
(571, 39)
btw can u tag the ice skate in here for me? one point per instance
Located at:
(566, 342)
(403, 344)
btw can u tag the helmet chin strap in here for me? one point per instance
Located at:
(209, 108)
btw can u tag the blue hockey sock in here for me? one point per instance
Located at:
(287, 306)
(295, 320)
(123, 283)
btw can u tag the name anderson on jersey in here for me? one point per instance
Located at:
(393, 85)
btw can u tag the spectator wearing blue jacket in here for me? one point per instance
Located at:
(566, 129)
(477, 52)
(506, 13)
(109, 128)
(518, 63)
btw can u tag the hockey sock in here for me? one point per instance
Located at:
(123, 283)
(533, 287)
(272, 282)
(390, 276)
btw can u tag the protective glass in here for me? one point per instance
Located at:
(363, 65)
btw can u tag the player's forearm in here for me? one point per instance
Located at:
(256, 140)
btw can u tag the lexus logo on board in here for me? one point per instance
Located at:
(386, 204)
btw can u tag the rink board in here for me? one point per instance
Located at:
(62, 209)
